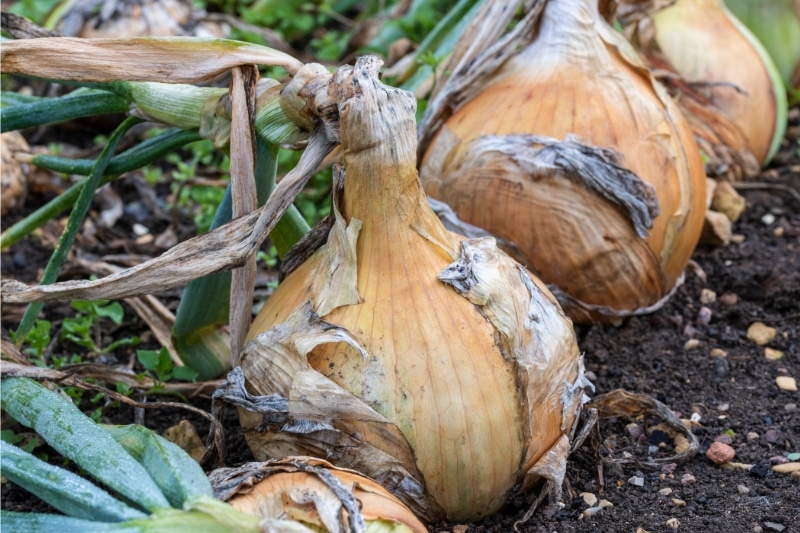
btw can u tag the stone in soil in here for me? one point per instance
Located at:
(719, 452)
(786, 383)
(772, 354)
(760, 333)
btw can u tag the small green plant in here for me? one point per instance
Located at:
(37, 341)
(84, 328)
(159, 366)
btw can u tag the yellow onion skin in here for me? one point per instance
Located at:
(707, 44)
(576, 78)
(285, 494)
(436, 368)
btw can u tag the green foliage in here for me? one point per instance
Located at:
(84, 329)
(36, 10)
(160, 367)
(37, 340)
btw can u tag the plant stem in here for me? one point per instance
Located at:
(48, 111)
(137, 157)
(74, 223)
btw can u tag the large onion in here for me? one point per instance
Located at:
(527, 159)
(439, 367)
(707, 44)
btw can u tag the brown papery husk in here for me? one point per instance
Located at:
(723, 143)
(578, 77)
(280, 490)
(439, 366)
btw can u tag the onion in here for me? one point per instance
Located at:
(706, 44)
(434, 364)
(571, 151)
(315, 494)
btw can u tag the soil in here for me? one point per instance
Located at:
(693, 355)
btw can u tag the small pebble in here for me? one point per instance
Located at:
(779, 231)
(719, 453)
(704, 316)
(460, 528)
(636, 481)
(140, 230)
(772, 435)
(729, 298)
(591, 511)
(688, 479)
(721, 367)
(742, 489)
(760, 333)
(786, 468)
(737, 238)
(772, 354)
(778, 460)
(723, 407)
(634, 431)
(589, 498)
(718, 352)
(691, 344)
(682, 445)
(768, 219)
(793, 456)
(790, 407)
(666, 491)
(758, 529)
(786, 383)
(677, 502)
(708, 296)
(752, 435)
(774, 526)
(674, 523)
(605, 504)
(145, 239)
(724, 438)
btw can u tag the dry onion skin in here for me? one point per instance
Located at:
(315, 494)
(706, 44)
(434, 364)
(573, 152)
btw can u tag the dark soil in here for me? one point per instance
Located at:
(721, 376)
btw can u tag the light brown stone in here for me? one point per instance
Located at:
(786, 468)
(786, 383)
(772, 354)
(760, 333)
(726, 200)
(717, 229)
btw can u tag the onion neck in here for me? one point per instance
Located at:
(378, 136)
(567, 33)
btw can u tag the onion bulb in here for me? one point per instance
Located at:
(434, 364)
(312, 493)
(706, 44)
(571, 151)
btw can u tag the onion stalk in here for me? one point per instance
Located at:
(573, 152)
(434, 364)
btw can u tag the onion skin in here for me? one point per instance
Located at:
(577, 78)
(731, 55)
(485, 404)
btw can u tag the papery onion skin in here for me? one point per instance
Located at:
(750, 89)
(577, 78)
(477, 415)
